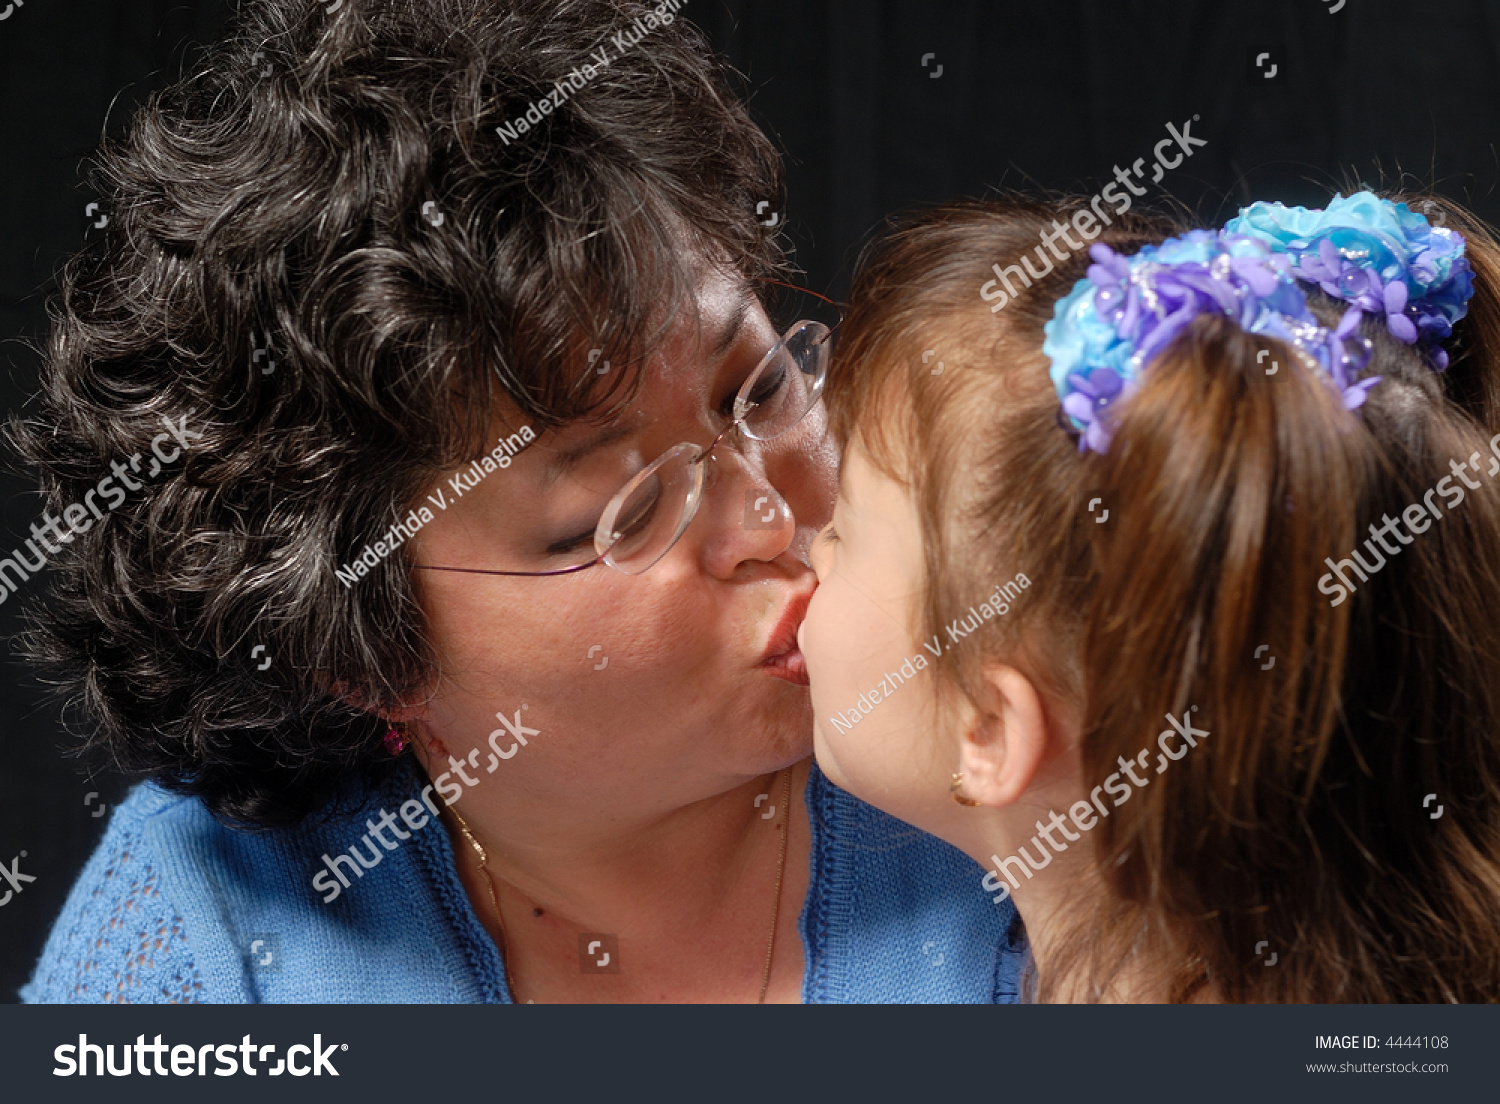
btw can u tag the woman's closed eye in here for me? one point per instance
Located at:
(637, 515)
(771, 383)
(571, 544)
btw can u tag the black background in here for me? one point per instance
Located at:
(1050, 94)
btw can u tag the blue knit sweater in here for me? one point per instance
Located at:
(174, 907)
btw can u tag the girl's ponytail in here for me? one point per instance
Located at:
(1311, 625)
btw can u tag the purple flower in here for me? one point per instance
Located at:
(1114, 323)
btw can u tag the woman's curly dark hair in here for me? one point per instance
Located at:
(277, 200)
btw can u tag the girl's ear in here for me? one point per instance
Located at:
(1003, 739)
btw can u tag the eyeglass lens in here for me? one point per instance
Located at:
(786, 384)
(655, 508)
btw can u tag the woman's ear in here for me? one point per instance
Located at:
(402, 714)
(1003, 739)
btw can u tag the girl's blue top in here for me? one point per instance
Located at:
(175, 907)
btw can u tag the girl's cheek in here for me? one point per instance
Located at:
(819, 631)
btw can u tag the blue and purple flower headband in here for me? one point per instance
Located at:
(1378, 256)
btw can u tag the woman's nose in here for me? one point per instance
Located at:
(749, 518)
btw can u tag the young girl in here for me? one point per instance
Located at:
(1164, 581)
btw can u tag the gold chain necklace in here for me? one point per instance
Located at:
(783, 827)
(786, 831)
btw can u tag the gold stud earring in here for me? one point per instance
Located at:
(953, 789)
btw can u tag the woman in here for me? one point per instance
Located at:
(326, 249)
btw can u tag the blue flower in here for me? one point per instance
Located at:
(1378, 255)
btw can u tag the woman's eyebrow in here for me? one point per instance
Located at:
(565, 459)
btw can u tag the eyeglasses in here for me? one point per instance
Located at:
(646, 516)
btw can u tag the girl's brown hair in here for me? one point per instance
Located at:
(1302, 825)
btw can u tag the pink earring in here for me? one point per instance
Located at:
(395, 740)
